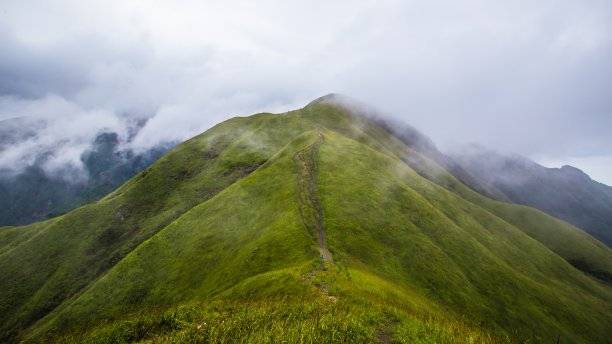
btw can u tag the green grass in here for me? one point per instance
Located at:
(226, 230)
(318, 321)
(381, 214)
(316, 316)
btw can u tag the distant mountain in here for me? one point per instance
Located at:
(566, 192)
(319, 225)
(33, 195)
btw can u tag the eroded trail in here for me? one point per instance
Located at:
(310, 207)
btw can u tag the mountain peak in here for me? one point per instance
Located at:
(347, 103)
(574, 172)
(328, 98)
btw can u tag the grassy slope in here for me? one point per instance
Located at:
(264, 256)
(569, 242)
(412, 260)
(64, 255)
(452, 251)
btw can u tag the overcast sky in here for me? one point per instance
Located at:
(532, 77)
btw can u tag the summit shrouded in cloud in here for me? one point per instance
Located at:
(528, 77)
(305, 171)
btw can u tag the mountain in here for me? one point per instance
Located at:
(33, 194)
(316, 225)
(566, 193)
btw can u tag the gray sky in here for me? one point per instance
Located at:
(533, 77)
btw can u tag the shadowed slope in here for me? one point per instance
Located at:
(565, 192)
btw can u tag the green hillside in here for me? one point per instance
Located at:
(316, 225)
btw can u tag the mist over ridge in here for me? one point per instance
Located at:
(524, 77)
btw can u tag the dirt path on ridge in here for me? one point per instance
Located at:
(310, 207)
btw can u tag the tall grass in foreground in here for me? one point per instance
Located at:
(324, 320)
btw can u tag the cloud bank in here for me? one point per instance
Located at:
(524, 76)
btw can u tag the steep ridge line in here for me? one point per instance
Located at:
(310, 208)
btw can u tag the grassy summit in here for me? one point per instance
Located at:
(316, 225)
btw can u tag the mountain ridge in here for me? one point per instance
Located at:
(232, 219)
(567, 192)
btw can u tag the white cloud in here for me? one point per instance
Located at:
(523, 76)
(64, 131)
